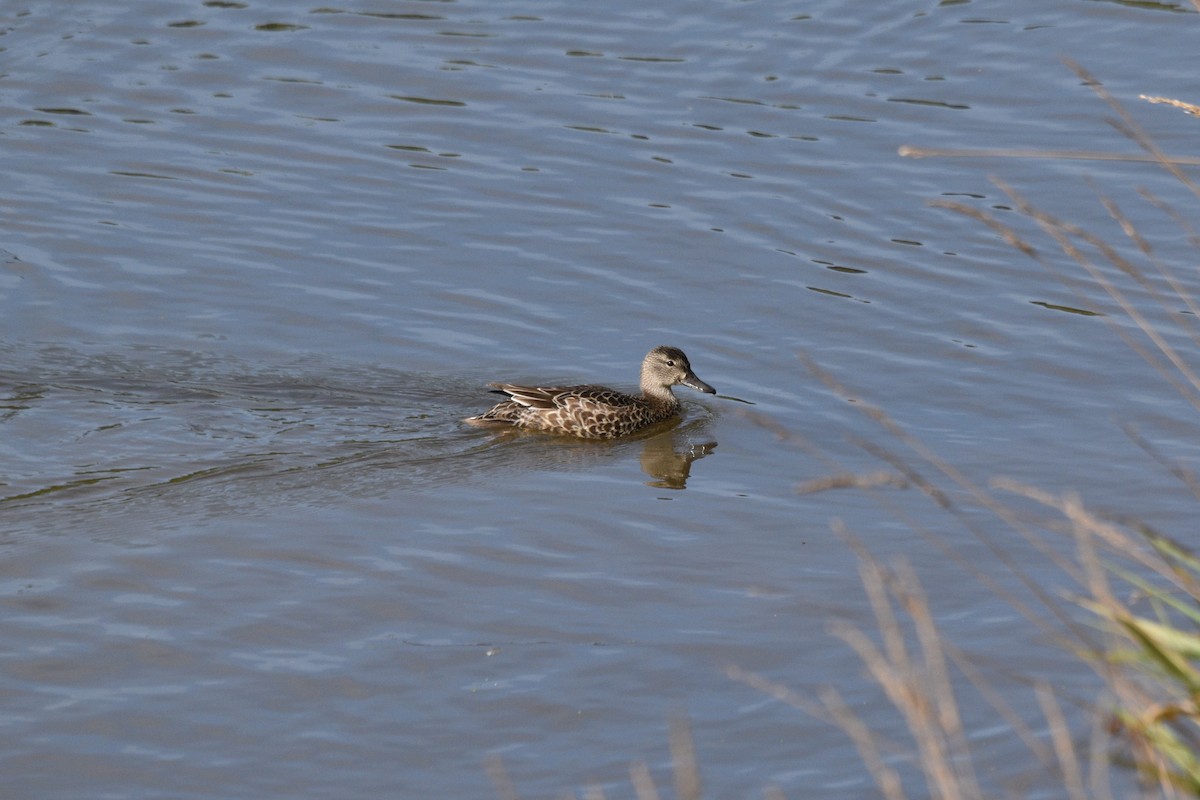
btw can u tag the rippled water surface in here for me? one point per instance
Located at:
(261, 258)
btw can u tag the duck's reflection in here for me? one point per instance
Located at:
(667, 457)
(665, 451)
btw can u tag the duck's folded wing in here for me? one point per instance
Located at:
(548, 397)
(531, 396)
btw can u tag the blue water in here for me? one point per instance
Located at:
(260, 259)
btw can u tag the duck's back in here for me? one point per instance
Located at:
(592, 412)
(556, 396)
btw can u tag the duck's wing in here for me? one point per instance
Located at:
(531, 396)
(549, 397)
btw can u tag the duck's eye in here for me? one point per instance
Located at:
(670, 362)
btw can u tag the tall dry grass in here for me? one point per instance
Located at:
(1136, 590)
(1140, 590)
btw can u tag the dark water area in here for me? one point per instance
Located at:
(259, 260)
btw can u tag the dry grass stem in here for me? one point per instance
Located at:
(909, 473)
(1167, 303)
(1064, 748)
(903, 688)
(913, 151)
(683, 757)
(1190, 108)
(865, 741)
(779, 691)
(983, 498)
(996, 701)
(1061, 232)
(1099, 775)
(1129, 126)
(643, 783)
(1148, 664)
(1005, 232)
(870, 480)
(1184, 223)
(909, 591)
(1087, 525)
(881, 479)
(1035, 616)
(501, 783)
(779, 430)
(1181, 472)
(919, 686)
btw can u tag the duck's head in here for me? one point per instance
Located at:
(665, 367)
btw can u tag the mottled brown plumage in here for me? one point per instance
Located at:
(596, 412)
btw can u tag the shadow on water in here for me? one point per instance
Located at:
(86, 438)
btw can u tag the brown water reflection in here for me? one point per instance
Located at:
(668, 459)
(665, 451)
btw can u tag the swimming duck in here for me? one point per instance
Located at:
(596, 412)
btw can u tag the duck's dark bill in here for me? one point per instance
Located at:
(692, 381)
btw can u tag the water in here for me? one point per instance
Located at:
(260, 260)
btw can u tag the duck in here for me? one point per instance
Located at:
(597, 412)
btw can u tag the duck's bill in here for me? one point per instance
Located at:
(690, 380)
